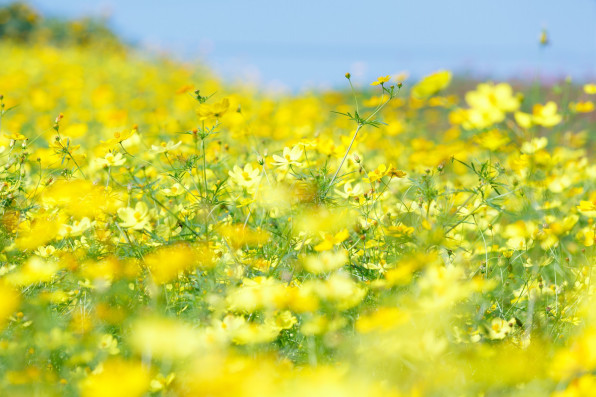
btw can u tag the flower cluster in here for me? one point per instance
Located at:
(158, 242)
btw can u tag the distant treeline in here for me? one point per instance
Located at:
(21, 23)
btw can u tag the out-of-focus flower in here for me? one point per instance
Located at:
(136, 218)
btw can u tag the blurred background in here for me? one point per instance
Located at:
(292, 45)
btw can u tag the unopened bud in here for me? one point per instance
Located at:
(348, 75)
(356, 159)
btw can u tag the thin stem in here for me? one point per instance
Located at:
(345, 156)
(203, 136)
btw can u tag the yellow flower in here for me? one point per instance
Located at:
(499, 328)
(111, 160)
(137, 218)
(524, 120)
(35, 270)
(119, 137)
(176, 190)
(108, 343)
(41, 232)
(581, 107)
(489, 104)
(325, 262)
(399, 230)
(15, 136)
(350, 191)
(215, 111)
(164, 338)
(587, 208)
(9, 302)
(165, 147)
(46, 251)
(382, 319)
(247, 177)
(590, 89)
(76, 229)
(289, 157)
(167, 262)
(431, 84)
(534, 145)
(546, 115)
(381, 80)
(329, 240)
(492, 140)
(383, 170)
(116, 378)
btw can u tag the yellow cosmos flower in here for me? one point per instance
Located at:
(111, 160)
(289, 157)
(500, 328)
(117, 378)
(330, 240)
(175, 190)
(136, 218)
(119, 137)
(15, 136)
(581, 107)
(247, 177)
(165, 147)
(431, 84)
(590, 89)
(587, 207)
(327, 261)
(214, 111)
(381, 80)
(546, 115)
(492, 140)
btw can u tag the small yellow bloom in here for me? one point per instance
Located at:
(116, 378)
(289, 157)
(165, 147)
(325, 262)
(582, 107)
(214, 111)
(329, 240)
(546, 115)
(431, 84)
(136, 218)
(247, 177)
(590, 89)
(111, 160)
(15, 136)
(176, 190)
(381, 80)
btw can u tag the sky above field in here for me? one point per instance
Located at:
(310, 43)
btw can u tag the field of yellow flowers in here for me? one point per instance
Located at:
(165, 234)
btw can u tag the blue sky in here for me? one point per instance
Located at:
(313, 43)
